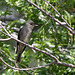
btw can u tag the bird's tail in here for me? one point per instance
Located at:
(18, 58)
(17, 47)
(19, 55)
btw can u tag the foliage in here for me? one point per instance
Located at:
(48, 34)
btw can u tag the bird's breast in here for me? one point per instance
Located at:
(27, 38)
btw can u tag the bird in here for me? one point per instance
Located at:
(24, 35)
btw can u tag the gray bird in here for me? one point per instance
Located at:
(24, 35)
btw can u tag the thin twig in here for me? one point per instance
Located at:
(52, 7)
(21, 69)
(3, 33)
(59, 14)
(26, 69)
(4, 68)
(65, 64)
(72, 31)
(5, 39)
(7, 57)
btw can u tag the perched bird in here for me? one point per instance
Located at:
(24, 35)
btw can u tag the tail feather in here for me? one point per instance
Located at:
(23, 49)
(17, 47)
(19, 55)
(18, 58)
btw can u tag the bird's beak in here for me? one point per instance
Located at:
(36, 25)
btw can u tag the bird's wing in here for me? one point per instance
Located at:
(18, 42)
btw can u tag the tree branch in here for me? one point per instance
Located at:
(26, 69)
(72, 31)
(59, 14)
(65, 64)
(7, 56)
(21, 69)
(5, 39)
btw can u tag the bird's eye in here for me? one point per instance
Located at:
(32, 23)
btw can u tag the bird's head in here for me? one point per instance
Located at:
(31, 24)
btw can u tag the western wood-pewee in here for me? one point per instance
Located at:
(24, 35)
